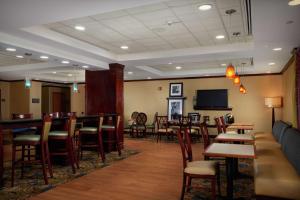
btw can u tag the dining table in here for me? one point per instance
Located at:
(235, 138)
(241, 127)
(231, 152)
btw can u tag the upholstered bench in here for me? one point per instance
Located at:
(277, 166)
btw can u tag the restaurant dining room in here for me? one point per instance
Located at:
(149, 99)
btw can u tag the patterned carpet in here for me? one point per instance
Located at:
(33, 182)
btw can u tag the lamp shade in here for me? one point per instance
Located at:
(230, 71)
(236, 79)
(273, 102)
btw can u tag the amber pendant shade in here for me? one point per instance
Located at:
(230, 71)
(236, 79)
(242, 89)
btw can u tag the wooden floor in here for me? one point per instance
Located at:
(155, 173)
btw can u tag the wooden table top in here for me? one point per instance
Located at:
(233, 137)
(230, 150)
(240, 125)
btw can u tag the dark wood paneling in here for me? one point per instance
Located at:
(297, 57)
(105, 94)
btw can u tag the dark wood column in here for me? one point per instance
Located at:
(105, 93)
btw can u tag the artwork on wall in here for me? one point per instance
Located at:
(175, 108)
(176, 89)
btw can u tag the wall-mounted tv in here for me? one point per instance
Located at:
(211, 99)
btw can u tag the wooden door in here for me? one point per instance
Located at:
(0, 106)
(57, 102)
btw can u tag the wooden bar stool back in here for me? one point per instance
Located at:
(33, 140)
(98, 143)
(67, 138)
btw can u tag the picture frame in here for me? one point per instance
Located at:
(175, 108)
(176, 90)
(194, 117)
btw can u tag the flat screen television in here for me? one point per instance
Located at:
(211, 99)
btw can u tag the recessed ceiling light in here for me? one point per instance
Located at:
(170, 63)
(85, 66)
(53, 72)
(10, 49)
(178, 67)
(220, 37)
(19, 56)
(271, 63)
(205, 7)
(224, 64)
(79, 28)
(294, 2)
(124, 47)
(44, 57)
(65, 62)
(149, 77)
(70, 75)
(277, 49)
(130, 72)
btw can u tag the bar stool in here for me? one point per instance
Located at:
(92, 131)
(33, 140)
(67, 138)
(115, 130)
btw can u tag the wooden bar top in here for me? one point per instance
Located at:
(230, 150)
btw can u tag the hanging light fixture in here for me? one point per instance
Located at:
(230, 71)
(242, 89)
(27, 83)
(236, 79)
(75, 87)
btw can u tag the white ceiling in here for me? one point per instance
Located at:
(44, 28)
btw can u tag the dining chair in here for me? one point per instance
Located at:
(96, 134)
(33, 140)
(219, 125)
(152, 126)
(202, 169)
(139, 128)
(223, 125)
(163, 127)
(65, 137)
(131, 121)
(114, 129)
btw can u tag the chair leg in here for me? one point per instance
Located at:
(100, 147)
(48, 160)
(23, 159)
(79, 150)
(213, 189)
(218, 179)
(70, 155)
(183, 187)
(43, 161)
(74, 153)
(117, 142)
(13, 165)
(188, 189)
(157, 136)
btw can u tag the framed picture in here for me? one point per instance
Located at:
(176, 89)
(175, 108)
(195, 117)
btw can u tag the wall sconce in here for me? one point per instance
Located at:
(27, 83)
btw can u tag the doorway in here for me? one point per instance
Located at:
(57, 99)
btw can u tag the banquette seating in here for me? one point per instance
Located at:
(277, 166)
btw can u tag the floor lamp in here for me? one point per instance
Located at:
(273, 102)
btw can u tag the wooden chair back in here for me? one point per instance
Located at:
(218, 124)
(154, 120)
(185, 145)
(71, 126)
(223, 124)
(162, 122)
(194, 117)
(46, 129)
(134, 115)
(100, 123)
(22, 116)
(185, 122)
(205, 135)
(141, 119)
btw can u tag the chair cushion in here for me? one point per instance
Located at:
(108, 127)
(163, 130)
(278, 129)
(58, 133)
(139, 127)
(196, 127)
(88, 129)
(27, 138)
(203, 167)
(150, 126)
(290, 146)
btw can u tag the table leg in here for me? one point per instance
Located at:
(230, 174)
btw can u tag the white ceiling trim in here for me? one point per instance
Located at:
(220, 49)
(151, 70)
(38, 47)
(26, 67)
(72, 42)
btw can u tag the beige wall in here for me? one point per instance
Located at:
(36, 93)
(5, 100)
(144, 96)
(19, 98)
(289, 92)
(78, 100)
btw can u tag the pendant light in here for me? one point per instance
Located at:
(75, 85)
(242, 87)
(236, 79)
(230, 71)
(27, 79)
